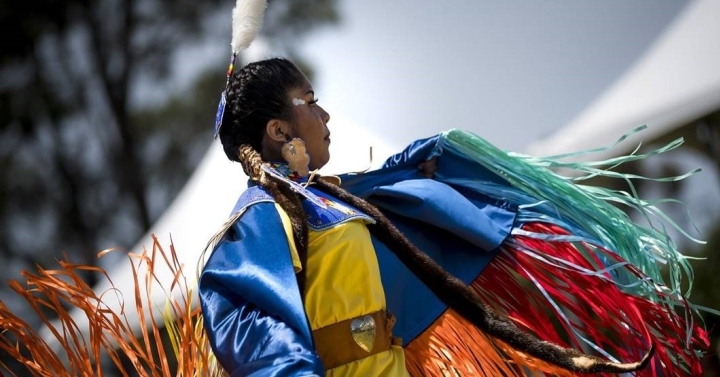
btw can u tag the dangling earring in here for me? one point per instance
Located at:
(295, 154)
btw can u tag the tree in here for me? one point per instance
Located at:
(83, 165)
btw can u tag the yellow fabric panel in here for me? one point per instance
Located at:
(343, 282)
(343, 276)
(287, 225)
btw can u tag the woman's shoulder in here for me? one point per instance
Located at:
(322, 210)
(253, 195)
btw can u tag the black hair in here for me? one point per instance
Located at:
(259, 92)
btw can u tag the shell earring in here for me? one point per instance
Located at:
(295, 154)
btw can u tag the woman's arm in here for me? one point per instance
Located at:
(417, 153)
(252, 310)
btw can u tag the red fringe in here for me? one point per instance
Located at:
(621, 324)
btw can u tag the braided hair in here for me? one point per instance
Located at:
(258, 93)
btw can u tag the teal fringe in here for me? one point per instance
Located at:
(591, 208)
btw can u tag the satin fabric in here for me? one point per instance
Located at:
(343, 282)
(248, 289)
(343, 277)
(253, 313)
(458, 227)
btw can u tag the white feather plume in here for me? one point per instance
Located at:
(247, 20)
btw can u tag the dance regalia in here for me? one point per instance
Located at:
(573, 271)
(250, 296)
(572, 268)
(554, 256)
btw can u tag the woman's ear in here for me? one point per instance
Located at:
(278, 130)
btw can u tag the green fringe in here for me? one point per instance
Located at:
(647, 247)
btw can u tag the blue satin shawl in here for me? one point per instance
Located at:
(253, 313)
(459, 228)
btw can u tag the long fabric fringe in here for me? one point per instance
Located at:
(586, 211)
(593, 306)
(110, 335)
(453, 347)
(580, 307)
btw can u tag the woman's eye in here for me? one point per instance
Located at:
(313, 102)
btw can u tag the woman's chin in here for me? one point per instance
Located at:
(320, 162)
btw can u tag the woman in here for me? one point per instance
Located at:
(298, 285)
(270, 103)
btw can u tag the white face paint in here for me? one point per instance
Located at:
(298, 102)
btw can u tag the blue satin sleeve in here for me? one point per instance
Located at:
(415, 153)
(253, 313)
(457, 226)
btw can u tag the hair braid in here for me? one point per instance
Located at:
(458, 296)
(257, 93)
(251, 162)
(286, 198)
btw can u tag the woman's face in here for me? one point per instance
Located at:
(311, 125)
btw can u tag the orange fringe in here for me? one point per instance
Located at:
(453, 347)
(108, 336)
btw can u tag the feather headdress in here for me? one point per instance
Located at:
(247, 19)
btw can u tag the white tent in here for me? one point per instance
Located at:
(675, 82)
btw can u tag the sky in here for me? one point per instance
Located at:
(512, 71)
